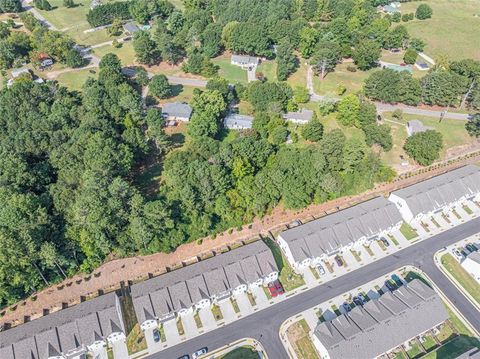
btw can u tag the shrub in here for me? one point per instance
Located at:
(351, 68)
(423, 12)
(410, 56)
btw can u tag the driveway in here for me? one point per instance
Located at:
(100, 353)
(207, 318)
(244, 304)
(189, 326)
(228, 312)
(120, 350)
(171, 332)
(260, 297)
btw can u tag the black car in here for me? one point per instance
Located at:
(471, 247)
(186, 356)
(156, 335)
(339, 261)
(347, 307)
(357, 301)
(385, 242)
(390, 286)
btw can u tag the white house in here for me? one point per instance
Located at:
(472, 265)
(199, 285)
(235, 121)
(301, 117)
(438, 194)
(380, 325)
(312, 242)
(244, 61)
(176, 111)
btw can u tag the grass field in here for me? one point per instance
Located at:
(74, 80)
(269, 69)
(62, 17)
(241, 353)
(408, 231)
(125, 53)
(453, 29)
(303, 346)
(299, 77)
(465, 280)
(228, 71)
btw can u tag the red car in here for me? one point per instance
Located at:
(275, 288)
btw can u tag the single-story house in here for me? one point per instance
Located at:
(310, 243)
(235, 121)
(391, 8)
(416, 126)
(438, 194)
(472, 265)
(198, 285)
(382, 324)
(244, 61)
(301, 117)
(69, 333)
(172, 111)
(130, 28)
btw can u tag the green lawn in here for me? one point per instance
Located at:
(303, 345)
(414, 350)
(353, 81)
(228, 71)
(453, 29)
(125, 53)
(269, 69)
(74, 80)
(242, 353)
(289, 279)
(408, 231)
(62, 17)
(461, 275)
(299, 77)
(136, 340)
(180, 94)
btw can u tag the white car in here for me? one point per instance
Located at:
(457, 254)
(199, 353)
(320, 269)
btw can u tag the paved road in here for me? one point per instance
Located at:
(383, 107)
(264, 325)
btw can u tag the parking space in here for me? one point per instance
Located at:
(309, 278)
(441, 220)
(228, 312)
(462, 213)
(400, 238)
(350, 260)
(171, 332)
(100, 353)
(260, 297)
(375, 248)
(120, 350)
(189, 325)
(244, 304)
(151, 345)
(207, 318)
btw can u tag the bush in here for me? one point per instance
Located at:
(159, 86)
(396, 17)
(351, 68)
(74, 59)
(42, 5)
(10, 6)
(410, 56)
(423, 12)
(68, 3)
(106, 13)
(341, 89)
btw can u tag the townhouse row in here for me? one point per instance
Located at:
(308, 244)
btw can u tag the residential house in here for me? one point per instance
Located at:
(235, 121)
(310, 243)
(69, 333)
(416, 126)
(472, 265)
(244, 61)
(173, 111)
(382, 324)
(438, 194)
(130, 28)
(301, 117)
(201, 284)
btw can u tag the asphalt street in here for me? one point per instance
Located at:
(265, 324)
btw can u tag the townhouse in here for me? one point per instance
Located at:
(70, 333)
(312, 242)
(439, 194)
(202, 284)
(381, 325)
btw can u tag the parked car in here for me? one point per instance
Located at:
(339, 261)
(362, 297)
(397, 280)
(275, 288)
(471, 247)
(320, 269)
(347, 307)
(199, 352)
(156, 335)
(385, 242)
(389, 285)
(186, 356)
(457, 254)
(357, 300)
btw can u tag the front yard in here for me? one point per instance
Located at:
(408, 232)
(461, 275)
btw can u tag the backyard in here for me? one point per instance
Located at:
(465, 280)
(452, 30)
(125, 52)
(74, 80)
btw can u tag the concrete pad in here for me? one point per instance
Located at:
(377, 251)
(120, 350)
(189, 325)
(402, 241)
(228, 312)
(244, 304)
(309, 278)
(151, 345)
(311, 318)
(350, 260)
(207, 318)
(441, 221)
(171, 332)
(260, 297)
(419, 228)
(465, 216)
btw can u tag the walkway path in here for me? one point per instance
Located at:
(109, 275)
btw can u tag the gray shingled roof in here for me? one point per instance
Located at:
(303, 115)
(64, 330)
(474, 256)
(434, 193)
(176, 109)
(238, 122)
(329, 233)
(245, 60)
(368, 332)
(183, 287)
(131, 27)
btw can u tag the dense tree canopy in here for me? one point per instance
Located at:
(424, 147)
